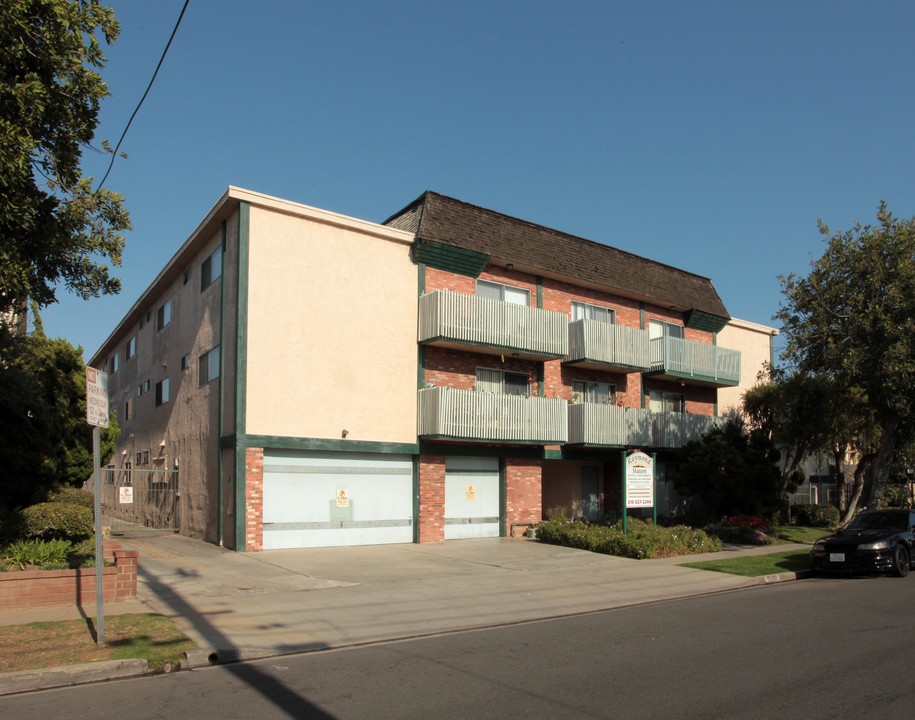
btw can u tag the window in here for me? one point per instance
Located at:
(502, 383)
(131, 348)
(505, 293)
(599, 393)
(667, 401)
(659, 328)
(211, 269)
(162, 392)
(583, 311)
(113, 364)
(139, 458)
(185, 361)
(208, 368)
(164, 315)
(128, 410)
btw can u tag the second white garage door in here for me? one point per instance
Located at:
(471, 497)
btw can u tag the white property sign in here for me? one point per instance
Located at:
(96, 397)
(639, 481)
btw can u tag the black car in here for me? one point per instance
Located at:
(874, 541)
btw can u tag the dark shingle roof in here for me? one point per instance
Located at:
(438, 218)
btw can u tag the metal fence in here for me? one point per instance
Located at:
(138, 502)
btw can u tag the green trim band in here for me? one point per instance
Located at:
(280, 442)
(449, 258)
(241, 372)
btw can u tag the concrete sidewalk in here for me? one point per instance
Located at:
(242, 606)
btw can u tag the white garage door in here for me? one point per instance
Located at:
(471, 497)
(322, 499)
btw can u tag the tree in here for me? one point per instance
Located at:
(731, 470)
(852, 319)
(806, 414)
(54, 227)
(45, 441)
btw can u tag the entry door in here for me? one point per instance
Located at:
(590, 493)
(471, 497)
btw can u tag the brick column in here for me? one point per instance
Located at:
(254, 499)
(126, 583)
(523, 492)
(431, 516)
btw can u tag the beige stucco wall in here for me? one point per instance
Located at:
(754, 341)
(332, 307)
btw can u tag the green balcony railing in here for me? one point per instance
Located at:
(695, 361)
(452, 413)
(447, 317)
(614, 426)
(613, 346)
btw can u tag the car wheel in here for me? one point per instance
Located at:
(900, 561)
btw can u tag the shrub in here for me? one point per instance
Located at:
(82, 554)
(72, 495)
(742, 530)
(821, 515)
(51, 554)
(641, 541)
(54, 520)
(12, 526)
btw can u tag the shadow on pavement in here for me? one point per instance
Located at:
(272, 690)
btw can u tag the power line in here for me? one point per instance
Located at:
(114, 154)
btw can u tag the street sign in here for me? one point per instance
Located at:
(96, 397)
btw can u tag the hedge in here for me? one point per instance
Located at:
(55, 520)
(641, 541)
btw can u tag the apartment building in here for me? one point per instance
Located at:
(307, 379)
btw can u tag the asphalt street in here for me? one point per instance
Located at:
(834, 648)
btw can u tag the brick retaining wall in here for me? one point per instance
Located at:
(46, 588)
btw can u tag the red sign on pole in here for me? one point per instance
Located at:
(96, 397)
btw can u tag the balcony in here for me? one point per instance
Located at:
(673, 430)
(609, 425)
(694, 362)
(593, 425)
(449, 319)
(607, 346)
(452, 414)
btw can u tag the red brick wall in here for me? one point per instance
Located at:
(431, 520)
(48, 588)
(522, 492)
(254, 499)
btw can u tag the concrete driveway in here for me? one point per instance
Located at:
(280, 601)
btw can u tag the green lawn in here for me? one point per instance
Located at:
(49, 644)
(800, 534)
(758, 565)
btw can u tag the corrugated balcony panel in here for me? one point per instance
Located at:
(673, 430)
(451, 413)
(606, 344)
(455, 318)
(694, 361)
(610, 425)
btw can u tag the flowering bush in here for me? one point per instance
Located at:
(742, 530)
(750, 521)
(642, 541)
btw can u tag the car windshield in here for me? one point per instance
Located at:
(877, 521)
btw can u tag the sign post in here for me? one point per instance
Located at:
(97, 416)
(638, 483)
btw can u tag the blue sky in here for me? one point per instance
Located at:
(707, 135)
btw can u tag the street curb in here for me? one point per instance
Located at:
(45, 678)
